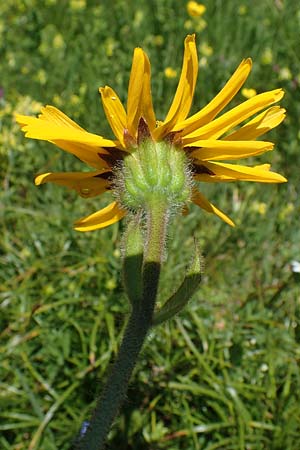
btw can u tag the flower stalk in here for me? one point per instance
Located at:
(138, 326)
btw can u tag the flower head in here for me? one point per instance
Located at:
(195, 9)
(248, 92)
(206, 138)
(170, 73)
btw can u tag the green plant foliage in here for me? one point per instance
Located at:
(224, 374)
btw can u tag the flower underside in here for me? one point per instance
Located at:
(205, 139)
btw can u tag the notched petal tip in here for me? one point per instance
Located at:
(138, 51)
(23, 120)
(190, 38)
(247, 62)
(278, 94)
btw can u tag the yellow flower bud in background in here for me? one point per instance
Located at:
(170, 73)
(287, 210)
(260, 208)
(195, 9)
(158, 40)
(206, 49)
(248, 93)
(78, 4)
(267, 56)
(285, 74)
(58, 41)
(242, 10)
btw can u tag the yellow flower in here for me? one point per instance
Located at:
(267, 56)
(170, 73)
(58, 41)
(195, 9)
(260, 208)
(287, 210)
(242, 10)
(248, 93)
(206, 49)
(207, 137)
(158, 40)
(285, 74)
(78, 4)
(41, 76)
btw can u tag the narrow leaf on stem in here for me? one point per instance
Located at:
(184, 293)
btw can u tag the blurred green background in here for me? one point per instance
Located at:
(225, 373)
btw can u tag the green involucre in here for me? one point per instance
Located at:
(154, 172)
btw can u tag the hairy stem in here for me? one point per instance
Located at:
(138, 325)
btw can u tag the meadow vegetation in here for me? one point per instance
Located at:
(224, 374)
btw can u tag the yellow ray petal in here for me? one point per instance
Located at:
(209, 178)
(202, 201)
(54, 126)
(182, 102)
(139, 103)
(219, 102)
(245, 173)
(260, 125)
(45, 130)
(147, 110)
(186, 87)
(56, 116)
(91, 155)
(100, 219)
(205, 177)
(235, 116)
(220, 150)
(115, 112)
(87, 184)
(86, 153)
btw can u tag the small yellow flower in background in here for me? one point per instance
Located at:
(267, 56)
(77, 5)
(111, 284)
(205, 139)
(189, 25)
(203, 62)
(24, 70)
(242, 10)
(158, 40)
(75, 99)
(197, 24)
(110, 45)
(58, 41)
(260, 208)
(57, 100)
(195, 9)
(248, 93)
(138, 18)
(41, 76)
(285, 74)
(83, 89)
(170, 73)
(206, 49)
(286, 211)
(49, 290)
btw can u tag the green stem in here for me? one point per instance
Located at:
(139, 323)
